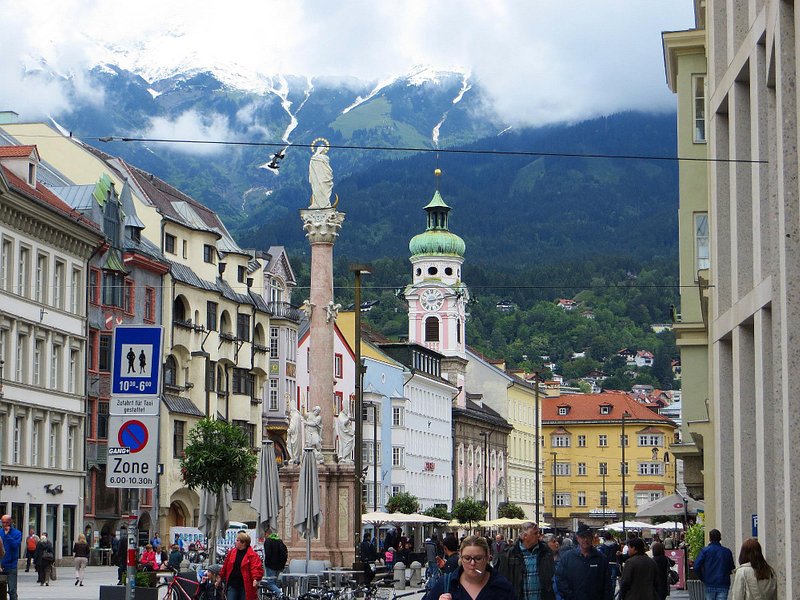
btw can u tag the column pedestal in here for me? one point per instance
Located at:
(337, 497)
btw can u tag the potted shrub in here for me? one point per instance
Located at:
(695, 540)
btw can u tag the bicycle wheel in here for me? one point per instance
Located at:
(167, 592)
(384, 593)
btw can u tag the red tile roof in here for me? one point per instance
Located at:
(648, 486)
(586, 407)
(41, 193)
(16, 151)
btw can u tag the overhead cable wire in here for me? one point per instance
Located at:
(420, 149)
(471, 151)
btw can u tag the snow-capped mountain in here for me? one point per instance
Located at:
(422, 109)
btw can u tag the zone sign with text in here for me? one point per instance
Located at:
(132, 452)
(136, 361)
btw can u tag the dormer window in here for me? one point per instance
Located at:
(563, 410)
(605, 409)
(32, 174)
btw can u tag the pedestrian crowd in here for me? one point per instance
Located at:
(588, 567)
(531, 567)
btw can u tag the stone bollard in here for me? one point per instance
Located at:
(416, 573)
(399, 576)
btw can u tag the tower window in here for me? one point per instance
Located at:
(432, 270)
(448, 271)
(431, 329)
(419, 271)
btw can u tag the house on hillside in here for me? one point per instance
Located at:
(644, 358)
(629, 355)
(566, 304)
(506, 306)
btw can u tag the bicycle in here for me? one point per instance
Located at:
(176, 588)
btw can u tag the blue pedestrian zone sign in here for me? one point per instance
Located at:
(136, 363)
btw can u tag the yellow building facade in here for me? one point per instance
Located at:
(686, 68)
(584, 454)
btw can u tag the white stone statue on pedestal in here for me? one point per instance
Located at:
(313, 431)
(347, 436)
(320, 175)
(332, 311)
(294, 437)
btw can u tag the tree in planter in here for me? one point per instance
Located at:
(469, 510)
(403, 502)
(440, 512)
(511, 511)
(695, 539)
(218, 454)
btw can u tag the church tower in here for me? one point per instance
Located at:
(436, 297)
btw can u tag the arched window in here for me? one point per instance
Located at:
(431, 329)
(222, 380)
(458, 331)
(170, 371)
(179, 310)
(225, 323)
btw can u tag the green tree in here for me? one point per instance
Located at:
(217, 454)
(440, 512)
(403, 503)
(511, 511)
(469, 510)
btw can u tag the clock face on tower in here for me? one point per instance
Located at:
(431, 300)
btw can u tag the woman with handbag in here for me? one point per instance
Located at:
(43, 558)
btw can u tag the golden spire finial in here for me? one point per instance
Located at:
(437, 172)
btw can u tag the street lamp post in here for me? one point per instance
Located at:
(603, 499)
(623, 442)
(485, 435)
(555, 492)
(536, 426)
(358, 271)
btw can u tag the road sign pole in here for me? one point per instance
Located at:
(130, 581)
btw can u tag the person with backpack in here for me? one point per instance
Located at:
(275, 556)
(30, 548)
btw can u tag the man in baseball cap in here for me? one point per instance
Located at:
(583, 573)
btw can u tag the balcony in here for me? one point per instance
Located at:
(284, 310)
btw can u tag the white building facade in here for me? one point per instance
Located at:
(44, 253)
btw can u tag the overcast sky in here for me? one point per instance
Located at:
(541, 61)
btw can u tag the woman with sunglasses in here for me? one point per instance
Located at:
(475, 579)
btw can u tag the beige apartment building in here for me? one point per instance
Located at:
(215, 316)
(754, 307)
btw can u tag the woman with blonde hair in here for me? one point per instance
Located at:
(81, 551)
(475, 576)
(754, 579)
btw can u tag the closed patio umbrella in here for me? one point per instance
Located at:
(266, 491)
(214, 516)
(308, 512)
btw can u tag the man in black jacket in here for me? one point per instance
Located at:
(528, 565)
(583, 573)
(275, 556)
